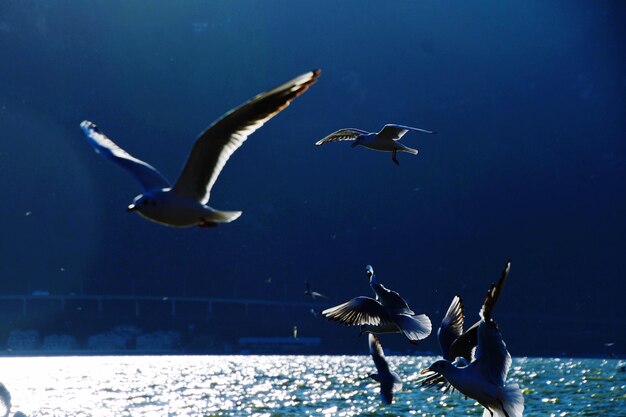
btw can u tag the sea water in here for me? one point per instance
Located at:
(289, 386)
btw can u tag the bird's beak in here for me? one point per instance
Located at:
(131, 207)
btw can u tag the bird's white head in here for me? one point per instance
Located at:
(146, 204)
(369, 271)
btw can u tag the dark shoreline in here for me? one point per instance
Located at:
(86, 353)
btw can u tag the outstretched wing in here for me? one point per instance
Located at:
(451, 327)
(497, 288)
(218, 142)
(340, 135)
(389, 381)
(465, 343)
(391, 300)
(395, 132)
(378, 356)
(146, 174)
(491, 357)
(359, 311)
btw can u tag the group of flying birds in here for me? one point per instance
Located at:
(475, 361)
(185, 203)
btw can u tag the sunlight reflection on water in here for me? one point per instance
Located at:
(286, 386)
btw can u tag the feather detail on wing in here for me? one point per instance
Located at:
(342, 135)
(451, 326)
(500, 284)
(491, 357)
(466, 342)
(359, 311)
(217, 143)
(146, 174)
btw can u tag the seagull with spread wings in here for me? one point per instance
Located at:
(185, 203)
(389, 381)
(387, 140)
(484, 378)
(313, 294)
(457, 345)
(388, 313)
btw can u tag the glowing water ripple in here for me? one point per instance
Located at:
(274, 386)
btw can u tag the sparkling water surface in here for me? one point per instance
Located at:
(288, 386)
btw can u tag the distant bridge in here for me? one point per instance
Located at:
(138, 300)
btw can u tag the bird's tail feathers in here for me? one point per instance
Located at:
(408, 150)
(415, 328)
(512, 399)
(219, 216)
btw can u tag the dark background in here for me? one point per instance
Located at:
(529, 163)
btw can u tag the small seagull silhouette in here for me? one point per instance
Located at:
(387, 140)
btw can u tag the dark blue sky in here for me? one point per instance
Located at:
(529, 163)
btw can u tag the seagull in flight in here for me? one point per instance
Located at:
(388, 313)
(389, 381)
(185, 203)
(387, 140)
(484, 378)
(313, 294)
(457, 345)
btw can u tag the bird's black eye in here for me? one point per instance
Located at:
(153, 203)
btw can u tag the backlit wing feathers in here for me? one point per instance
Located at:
(217, 143)
(491, 357)
(341, 135)
(451, 327)
(359, 311)
(146, 174)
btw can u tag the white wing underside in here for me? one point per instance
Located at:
(359, 311)
(146, 174)
(451, 326)
(217, 143)
(491, 358)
